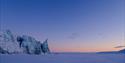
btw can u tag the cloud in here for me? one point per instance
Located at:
(74, 36)
(119, 46)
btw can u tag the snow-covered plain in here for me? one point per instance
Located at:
(64, 58)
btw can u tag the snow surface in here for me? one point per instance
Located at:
(64, 58)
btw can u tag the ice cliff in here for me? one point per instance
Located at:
(12, 44)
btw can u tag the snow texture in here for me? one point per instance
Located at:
(8, 43)
(64, 58)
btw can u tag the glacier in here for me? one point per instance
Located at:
(13, 44)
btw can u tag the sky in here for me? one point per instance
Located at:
(69, 25)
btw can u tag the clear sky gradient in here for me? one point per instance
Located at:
(70, 25)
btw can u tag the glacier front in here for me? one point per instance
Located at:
(13, 44)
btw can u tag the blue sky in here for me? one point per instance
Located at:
(70, 25)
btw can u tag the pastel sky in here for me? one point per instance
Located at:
(69, 25)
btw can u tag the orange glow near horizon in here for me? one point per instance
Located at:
(85, 47)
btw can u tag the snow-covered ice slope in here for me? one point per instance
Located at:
(64, 58)
(14, 44)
